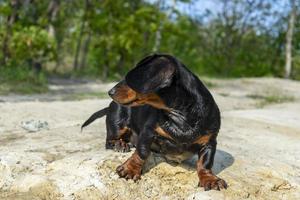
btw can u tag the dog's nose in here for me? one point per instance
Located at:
(111, 92)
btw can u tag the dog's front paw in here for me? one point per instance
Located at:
(118, 145)
(128, 173)
(211, 182)
(132, 168)
(121, 146)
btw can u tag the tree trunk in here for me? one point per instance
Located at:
(158, 31)
(52, 11)
(158, 37)
(78, 46)
(85, 51)
(289, 40)
(105, 70)
(120, 63)
(79, 40)
(58, 60)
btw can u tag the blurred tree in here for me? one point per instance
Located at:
(81, 33)
(106, 38)
(169, 11)
(11, 13)
(25, 40)
(289, 39)
(122, 31)
(233, 38)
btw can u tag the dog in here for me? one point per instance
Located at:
(163, 107)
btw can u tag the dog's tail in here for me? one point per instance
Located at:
(95, 116)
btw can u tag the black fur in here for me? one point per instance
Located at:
(191, 114)
(95, 116)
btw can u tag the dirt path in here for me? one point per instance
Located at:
(258, 149)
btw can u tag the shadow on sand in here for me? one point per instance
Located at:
(222, 161)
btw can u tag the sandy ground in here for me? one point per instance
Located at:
(258, 148)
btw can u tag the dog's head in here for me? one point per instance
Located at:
(141, 84)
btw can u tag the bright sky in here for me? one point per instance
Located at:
(213, 5)
(199, 7)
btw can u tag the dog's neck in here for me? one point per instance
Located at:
(182, 106)
(183, 119)
(186, 95)
(186, 98)
(179, 126)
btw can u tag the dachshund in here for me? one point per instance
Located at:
(163, 107)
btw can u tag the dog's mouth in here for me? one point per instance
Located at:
(129, 103)
(125, 103)
(124, 95)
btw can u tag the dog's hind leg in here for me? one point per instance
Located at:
(118, 138)
(206, 154)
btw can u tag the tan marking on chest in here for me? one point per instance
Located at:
(153, 100)
(163, 133)
(203, 139)
(123, 132)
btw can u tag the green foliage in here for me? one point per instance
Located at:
(31, 43)
(120, 38)
(189, 51)
(21, 80)
(105, 39)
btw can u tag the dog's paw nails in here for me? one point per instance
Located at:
(122, 173)
(222, 184)
(126, 148)
(136, 177)
(214, 183)
(121, 146)
(127, 173)
(119, 168)
(207, 187)
(128, 176)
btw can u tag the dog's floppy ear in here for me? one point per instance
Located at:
(150, 74)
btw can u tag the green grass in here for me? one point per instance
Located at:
(208, 83)
(21, 80)
(268, 99)
(82, 96)
(224, 94)
(22, 88)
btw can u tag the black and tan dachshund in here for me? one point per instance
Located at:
(163, 107)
